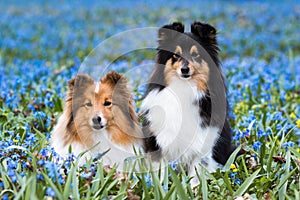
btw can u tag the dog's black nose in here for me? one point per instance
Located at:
(185, 69)
(96, 119)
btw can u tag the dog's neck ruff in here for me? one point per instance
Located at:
(175, 121)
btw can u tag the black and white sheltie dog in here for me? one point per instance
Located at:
(185, 108)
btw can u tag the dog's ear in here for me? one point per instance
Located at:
(71, 85)
(78, 84)
(170, 30)
(114, 78)
(205, 32)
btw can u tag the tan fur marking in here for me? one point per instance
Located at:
(178, 50)
(170, 70)
(201, 74)
(193, 49)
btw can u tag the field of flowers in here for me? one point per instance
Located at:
(42, 45)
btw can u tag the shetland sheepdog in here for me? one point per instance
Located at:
(184, 110)
(98, 117)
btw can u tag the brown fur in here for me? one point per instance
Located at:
(83, 103)
(122, 121)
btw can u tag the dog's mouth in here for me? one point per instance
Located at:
(98, 127)
(185, 76)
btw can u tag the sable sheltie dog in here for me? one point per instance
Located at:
(100, 113)
(184, 111)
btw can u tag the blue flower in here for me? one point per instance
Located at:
(288, 144)
(174, 165)
(52, 170)
(261, 133)
(5, 197)
(278, 127)
(237, 181)
(148, 180)
(165, 188)
(39, 115)
(40, 177)
(277, 116)
(50, 192)
(256, 146)
(12, 176)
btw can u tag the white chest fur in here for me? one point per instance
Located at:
(176, 123)
(102, 142)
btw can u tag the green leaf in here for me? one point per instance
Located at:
(170, 192)
(180, 190)
(68, 183)
(53, 186)
(246, 184)
(204, 184)
(282, 190)
(231, 159)
(23, 187)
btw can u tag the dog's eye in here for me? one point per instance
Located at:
(107, 103)
(195, 55)
(89, 104)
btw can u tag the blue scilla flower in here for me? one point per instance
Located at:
(39, 115)
(174, 165)
(1, 185)
(86, 175)
(256, 145)
(50, 192)
(261, 133)
(288, 144)
(12, 176)
(40, 177)
(245, 133)
(148, 180)
(165, 188)
(268, 131)
(277, 116)
(278, 127)
(5, 197)
(232, 175)
(11, 165)
(31, 107)
(52, 169)
(61, 179)
(41, 162)
(237, 181)
(48, 122)
(236, 136)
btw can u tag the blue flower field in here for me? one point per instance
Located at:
(42, 46)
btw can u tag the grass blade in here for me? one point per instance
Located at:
(180, 190)
(242, 189)
(231, 159)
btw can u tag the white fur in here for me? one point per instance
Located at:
(176, 123)
(97, 87)
(116, 155)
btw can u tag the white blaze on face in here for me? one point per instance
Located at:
(97, 87)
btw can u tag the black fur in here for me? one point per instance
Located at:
(205, 35)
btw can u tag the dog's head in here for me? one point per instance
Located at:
(96, 106)
(186, 55)
(81, 103)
